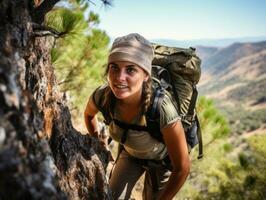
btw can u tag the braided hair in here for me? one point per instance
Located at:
(146, 95)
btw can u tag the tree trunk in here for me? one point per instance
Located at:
(41, 155)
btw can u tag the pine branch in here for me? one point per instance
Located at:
(107, 2)
(42, 31)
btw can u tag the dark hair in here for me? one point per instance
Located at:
(146, 95)
(109, 97)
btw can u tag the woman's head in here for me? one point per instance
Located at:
(129, 65)
(132, 48)
(129, 70)
(126, 80)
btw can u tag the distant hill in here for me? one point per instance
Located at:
(205, 52)
(222, 58)
(236, 73)
(235, 78)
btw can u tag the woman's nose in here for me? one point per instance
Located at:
(121, 75)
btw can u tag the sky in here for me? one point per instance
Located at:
(184, 19)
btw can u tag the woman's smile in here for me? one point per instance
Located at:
(119, 86)
(119, 89)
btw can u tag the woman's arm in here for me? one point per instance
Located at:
(90, 116)
(175, 141)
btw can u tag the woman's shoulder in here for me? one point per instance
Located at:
(168, 110)
(98, 94)
(100, 89)
(168, 104)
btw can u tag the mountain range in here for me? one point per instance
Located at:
(224, 42)
(236, 73)
(235, 78)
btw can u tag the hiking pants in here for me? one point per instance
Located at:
(126, 173)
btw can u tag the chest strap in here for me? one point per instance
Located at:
(126, 127)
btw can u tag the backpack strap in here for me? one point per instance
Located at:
(163, 75)
(199, 138)
(190, 113)
(126, 127)
(153, 114)
(193, 101)
(157, 100)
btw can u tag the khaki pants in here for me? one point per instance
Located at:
(127, 172)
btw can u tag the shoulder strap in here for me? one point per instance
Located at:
(154, 112)
(126, 127)
(193, 101)
(199, 134)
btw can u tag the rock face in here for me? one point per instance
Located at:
(41, 155)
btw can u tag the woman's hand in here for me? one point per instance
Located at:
(90, 116)
(175, 141)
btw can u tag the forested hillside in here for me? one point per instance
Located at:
(233, 167)
(235, 78)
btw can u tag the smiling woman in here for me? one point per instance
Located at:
(124, 102)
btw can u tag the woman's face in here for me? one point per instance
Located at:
(126, 79)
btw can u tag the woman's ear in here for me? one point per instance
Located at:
(146, 78)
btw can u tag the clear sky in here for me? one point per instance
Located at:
(184, 19)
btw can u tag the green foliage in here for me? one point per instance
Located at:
(243, 160)
(227, 148)
(244, 120)
(80, 54)
(214, 130)
(212, 121)
(66, 22)
(226, 177)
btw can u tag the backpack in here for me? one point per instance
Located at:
(175, 72)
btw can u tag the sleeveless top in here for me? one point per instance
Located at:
(141, 144)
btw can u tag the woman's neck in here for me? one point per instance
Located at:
(131, 101)
(129, 109)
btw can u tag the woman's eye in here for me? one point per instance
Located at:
(131, 70)
(113, 67)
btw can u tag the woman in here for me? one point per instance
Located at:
(126, 98)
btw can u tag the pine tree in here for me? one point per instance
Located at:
(79, 55)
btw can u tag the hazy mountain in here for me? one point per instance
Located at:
(236, 73)
(222, 58)
(205, 52)
(208, 42)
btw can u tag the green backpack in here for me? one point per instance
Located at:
(177, 70)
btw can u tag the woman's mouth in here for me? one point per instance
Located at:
(120, 86)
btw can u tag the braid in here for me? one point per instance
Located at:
(146, 95)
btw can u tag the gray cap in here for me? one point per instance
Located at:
(132, 48)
